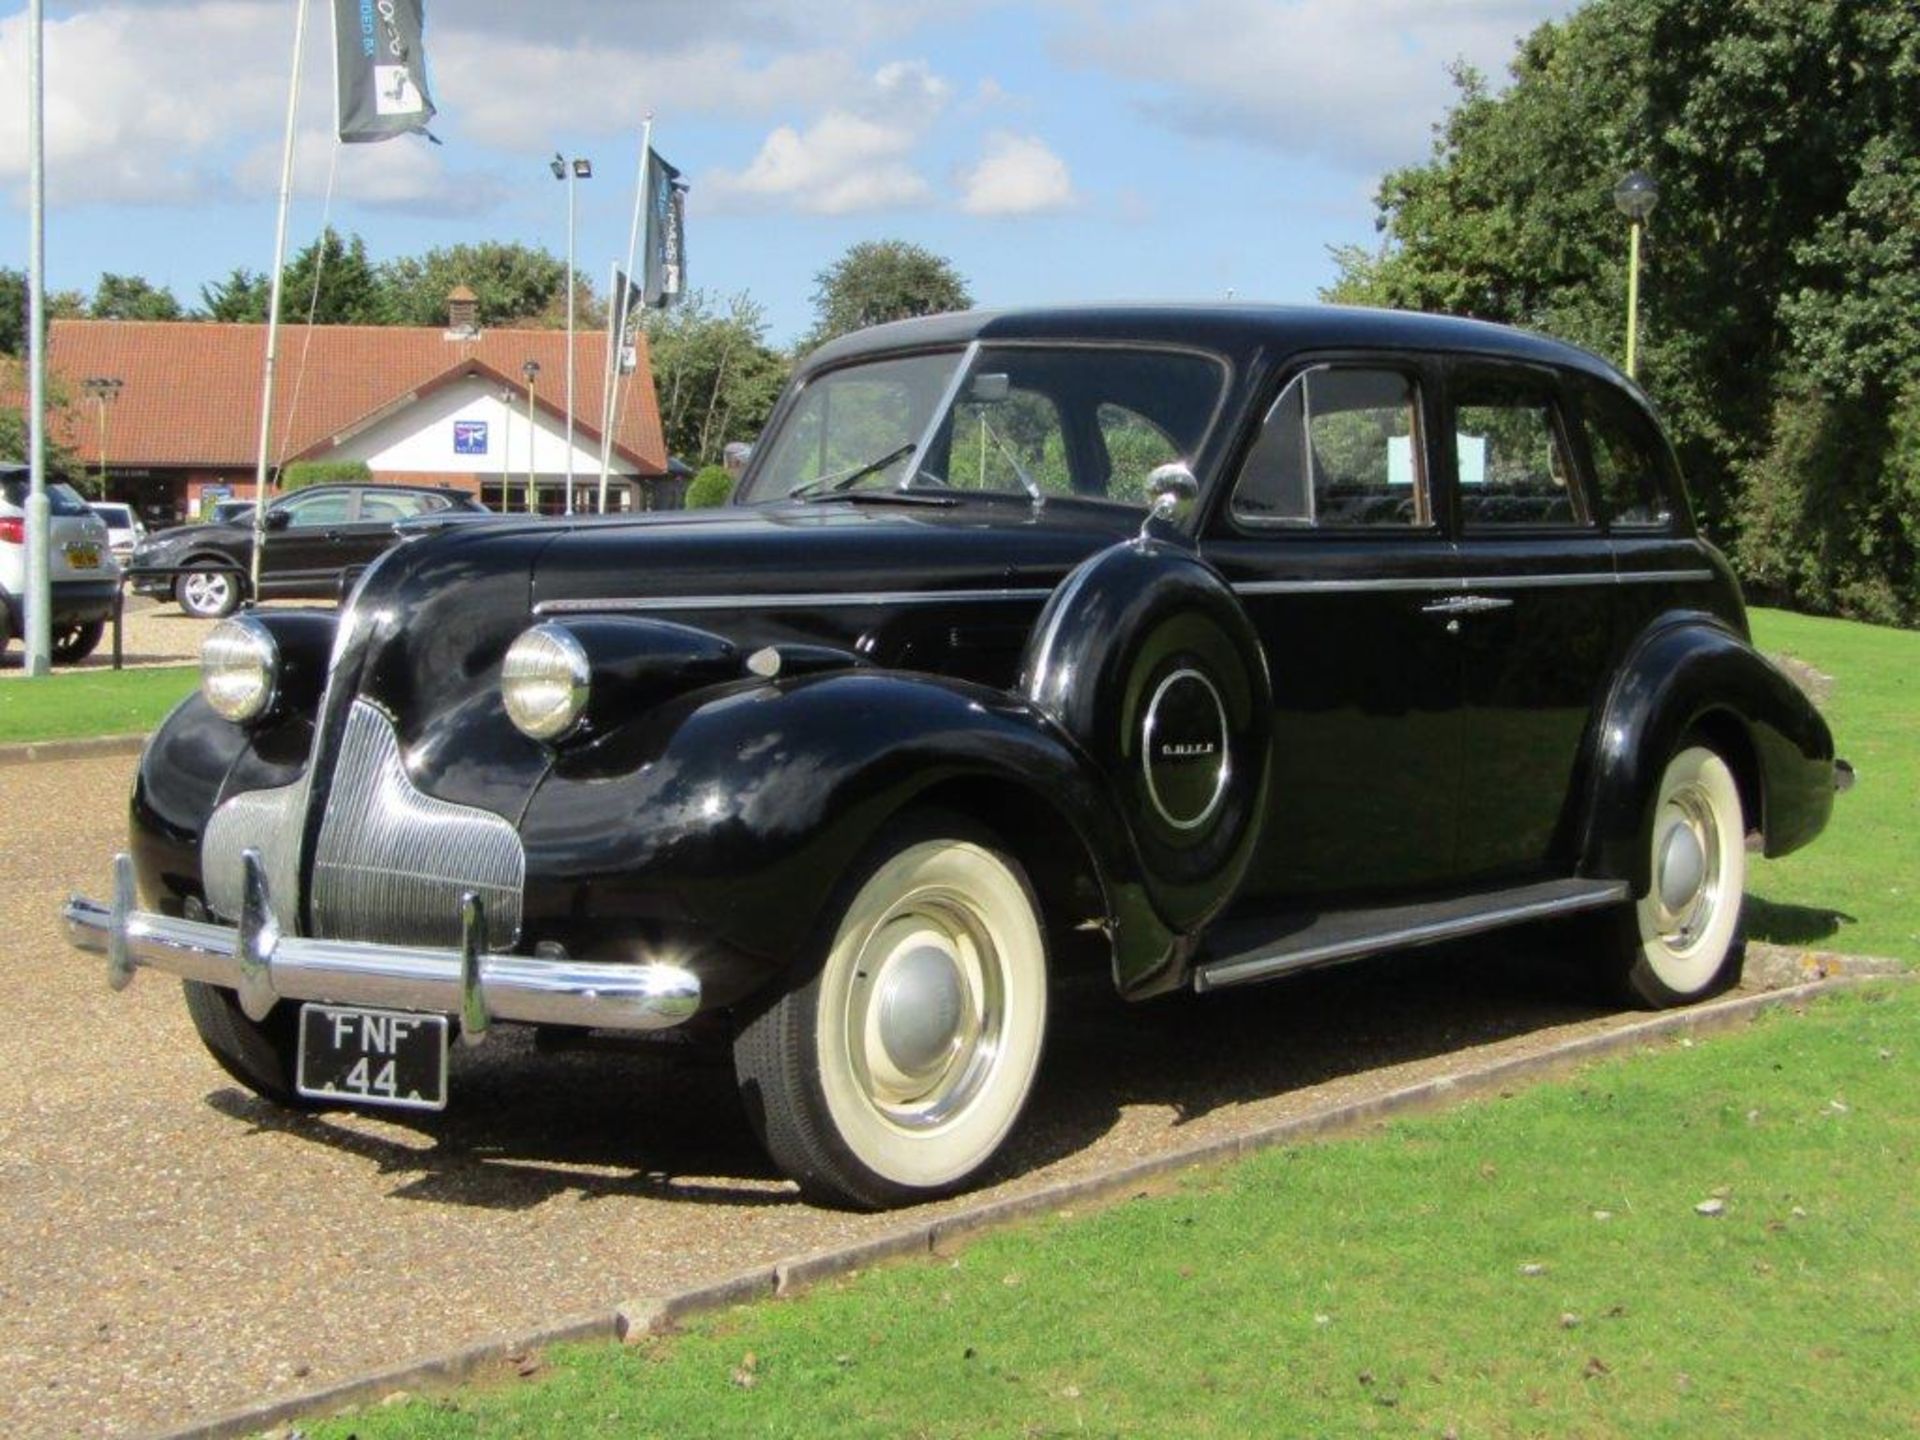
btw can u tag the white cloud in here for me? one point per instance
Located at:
(850, 159)
(1018, 175)
(1313, 77)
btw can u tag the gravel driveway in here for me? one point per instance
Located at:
(176, 1249)
(154, 632)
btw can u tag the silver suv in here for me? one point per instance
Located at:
(80, 563)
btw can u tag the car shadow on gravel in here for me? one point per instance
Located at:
(666, 1123)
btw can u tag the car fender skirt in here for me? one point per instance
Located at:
(732, 814)
(1692, 676)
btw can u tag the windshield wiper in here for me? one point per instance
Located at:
(829, 483)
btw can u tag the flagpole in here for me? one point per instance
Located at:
(273, 301)
(39, 580)
(633, 247)
(616, 324)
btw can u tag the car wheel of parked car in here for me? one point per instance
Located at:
(207, 593)
(73, 643)
(262, 1055)
(900, 1065)
(1683, 939)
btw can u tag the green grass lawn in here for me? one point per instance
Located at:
(1534, 1265)
(91, 702)
(1856, 888)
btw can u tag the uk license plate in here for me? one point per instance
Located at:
(83, 557)
(373, 1057)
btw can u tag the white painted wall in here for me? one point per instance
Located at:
(420, 438)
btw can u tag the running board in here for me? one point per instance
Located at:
(1254, 952)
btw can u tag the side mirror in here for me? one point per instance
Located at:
(990, 389)
(278, 519)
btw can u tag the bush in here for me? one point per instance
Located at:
(711, 487)
(324, 472)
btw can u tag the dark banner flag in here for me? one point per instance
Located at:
(666, 268)
(624, 322)
(382, 69)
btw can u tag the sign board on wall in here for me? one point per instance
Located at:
(469, 437)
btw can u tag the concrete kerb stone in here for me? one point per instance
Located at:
(653, 1315)
(90, 748)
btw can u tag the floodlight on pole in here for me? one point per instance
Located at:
(580, 169)
(104, 389)
(530, 370)
(1634, 197)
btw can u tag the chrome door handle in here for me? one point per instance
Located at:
(1466, 605)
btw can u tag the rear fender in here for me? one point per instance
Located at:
(1691, 675)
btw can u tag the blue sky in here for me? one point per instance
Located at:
(1054, 150)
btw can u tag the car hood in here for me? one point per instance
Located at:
(186, 534)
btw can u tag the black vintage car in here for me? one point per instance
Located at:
(315, 536)
(1197, 646)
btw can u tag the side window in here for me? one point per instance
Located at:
(996, 441)
(1136, 447)
(1627, 467)
(1512, 454)
(318, 510)
(1340, 447)
(376, 509)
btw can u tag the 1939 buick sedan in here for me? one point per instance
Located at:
(1199, 645)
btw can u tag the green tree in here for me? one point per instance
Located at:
(132, 297)
(302, 473)
(512, 283)
(242, 298)
(61, 464)
(714, 374)
(349, 291)
(709, 488)
(13, 311)
(1781, 297)
(881, 280)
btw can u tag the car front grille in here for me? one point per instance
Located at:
(390, 864)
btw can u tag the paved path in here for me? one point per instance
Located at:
(175, 1249)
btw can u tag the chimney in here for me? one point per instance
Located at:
(463, 313)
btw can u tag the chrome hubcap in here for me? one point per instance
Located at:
(926, 1009)
(1686, 866)
(206, 592)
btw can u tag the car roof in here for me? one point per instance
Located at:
(1238, 330)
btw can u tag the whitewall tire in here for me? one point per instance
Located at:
(898, 1066)
(1684, 940)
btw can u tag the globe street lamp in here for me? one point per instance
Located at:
(570, 175)
(531, 370)
(1634, 197)
(105, 389)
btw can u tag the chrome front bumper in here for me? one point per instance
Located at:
(263, 966)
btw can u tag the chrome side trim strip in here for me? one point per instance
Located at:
(1336, 587)
(1264, 966)
(266, 967)
(643, 603)
(1470, 582)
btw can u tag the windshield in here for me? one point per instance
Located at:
(1024, 420)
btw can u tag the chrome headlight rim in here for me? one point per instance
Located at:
(224, 654)
(546, 655)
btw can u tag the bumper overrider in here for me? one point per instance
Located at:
(264, 966)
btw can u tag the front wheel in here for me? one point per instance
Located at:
(897, 1068)
(262, 1055)
(1683, 939)
(74, 643)
(207, 593)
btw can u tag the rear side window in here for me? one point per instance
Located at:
(1340, 448)
(1628, 466)
(62, 499)
(1511, 450)
(374, 508)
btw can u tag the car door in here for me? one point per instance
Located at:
(1533, 615)
(1332, 541)
(303, 557)
(371, 532)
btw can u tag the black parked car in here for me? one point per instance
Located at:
(314, 537)
(1196, 646)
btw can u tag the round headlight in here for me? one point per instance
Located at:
(239, 668)
(544, 681)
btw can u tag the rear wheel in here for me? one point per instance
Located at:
(73, 643)
(262, 1055)
(207, 593)
(900, 1064)
(1683, 939)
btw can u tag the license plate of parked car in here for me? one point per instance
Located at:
(83, 557)
(373, 1057)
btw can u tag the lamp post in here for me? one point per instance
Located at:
(570, 175)
(506, 440)
(532, 372)
(1634, 197)
(105, 389)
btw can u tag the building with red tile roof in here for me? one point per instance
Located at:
(417, 405)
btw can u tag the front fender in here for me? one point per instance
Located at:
(733, 814)
(1693, 675)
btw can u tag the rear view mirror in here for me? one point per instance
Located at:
(278, 519)
(990, 389)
